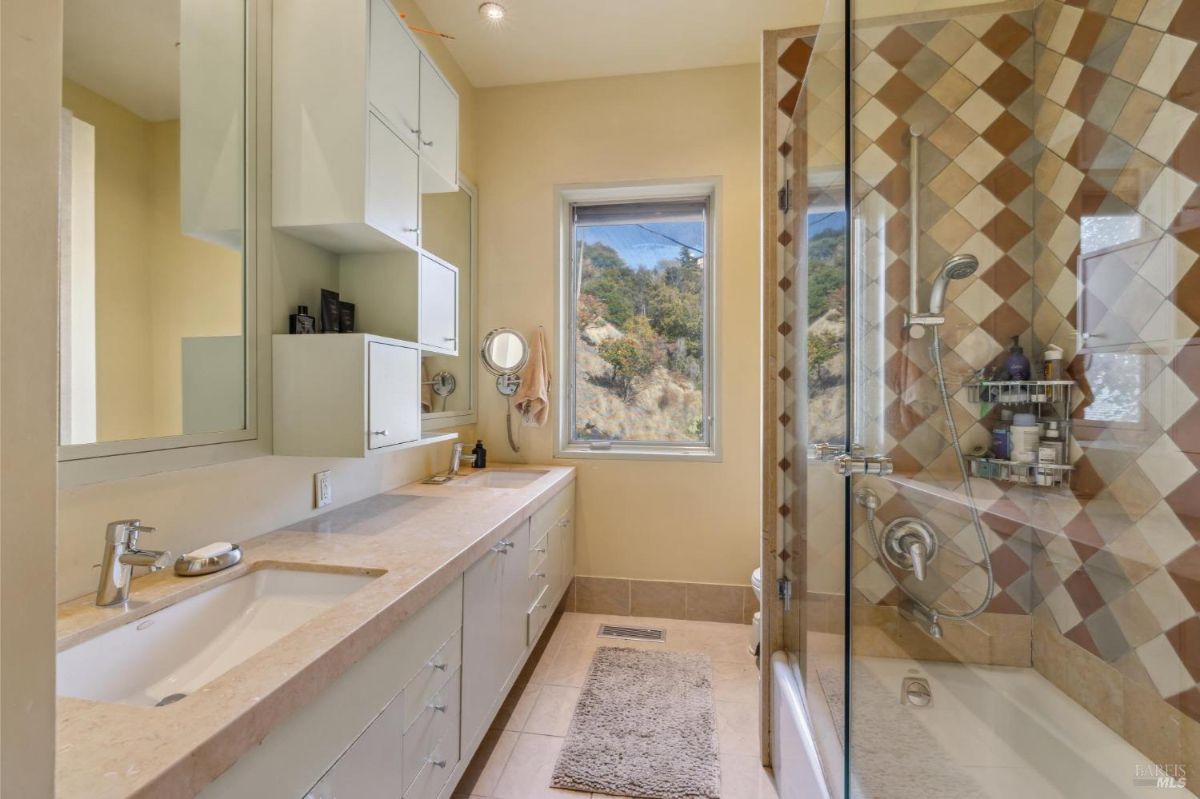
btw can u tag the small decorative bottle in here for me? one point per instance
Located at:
(301, 322)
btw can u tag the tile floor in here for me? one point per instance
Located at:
(518, 754)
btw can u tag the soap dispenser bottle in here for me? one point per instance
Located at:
(1017, 364)
(480, 460)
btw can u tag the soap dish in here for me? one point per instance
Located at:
(186, 566)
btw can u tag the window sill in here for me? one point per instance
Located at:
(635, 452)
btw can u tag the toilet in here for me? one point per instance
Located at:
(756, 623)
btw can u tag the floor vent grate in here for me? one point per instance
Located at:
(632, 633)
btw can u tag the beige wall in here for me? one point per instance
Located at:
(30, 51)
(637, 519)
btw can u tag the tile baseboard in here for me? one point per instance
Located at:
(618, 596)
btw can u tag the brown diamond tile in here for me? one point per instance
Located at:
(1187, 294)
(951, 89)
(1007, 566)
(1088, 87)
(1005, 36)
(787, 103)
(1185, 571)
(894, 140)
(1083, 592)
(899, 93)
(900, 372)
(1006, 229)
(1186, 24)
(1080, 635)
(894, 187)
(1083, 536)
(898, 47)
(1086, 34)
(1004, 323)
(1185, 639)
(1007, 181)
(1137, 115)
(794, 60)
(952, 136)
(1005, 277)
(897, 233)
(895, 279)
(1006, 133)
(1006, 84)
(1186, 91)
(1188, 702)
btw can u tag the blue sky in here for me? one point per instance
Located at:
(643, 246)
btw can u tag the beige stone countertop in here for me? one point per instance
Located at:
(418, 538)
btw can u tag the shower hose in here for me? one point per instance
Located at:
(936, 349)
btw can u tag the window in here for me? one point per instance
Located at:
(637, 286)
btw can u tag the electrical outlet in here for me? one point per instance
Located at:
(322, 489)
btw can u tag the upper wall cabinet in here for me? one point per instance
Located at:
(362, 124)
(439, 131)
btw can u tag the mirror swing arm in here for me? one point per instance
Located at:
(505, 353)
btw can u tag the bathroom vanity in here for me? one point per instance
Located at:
(429, 601)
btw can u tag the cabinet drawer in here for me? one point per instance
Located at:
(434, 734)
(370, 766)
(538, 615)
(432, 678)
(550, 513)
(426, 632)
(538, 582)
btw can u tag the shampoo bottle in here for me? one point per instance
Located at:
(1016, 363)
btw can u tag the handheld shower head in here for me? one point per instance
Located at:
(956, 267)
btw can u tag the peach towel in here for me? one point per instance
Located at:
(532, 399)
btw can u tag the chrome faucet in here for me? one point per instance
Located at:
(455, 459)
(120, 556)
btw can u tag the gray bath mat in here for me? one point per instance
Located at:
(645, 726)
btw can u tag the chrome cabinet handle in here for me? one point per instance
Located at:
(382, 432)
(410, 229)
(427, 143)
(501, 548)
(438, 763)
(564, 522)
(437, 666)
(539, 576)
(540, 550)
(436, 707)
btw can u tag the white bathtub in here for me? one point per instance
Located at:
(797, 766)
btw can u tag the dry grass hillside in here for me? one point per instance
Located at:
(664, 406)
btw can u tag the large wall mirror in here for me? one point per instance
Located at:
(153, 266)
(448, 224)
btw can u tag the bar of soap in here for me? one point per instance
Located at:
(209, 551)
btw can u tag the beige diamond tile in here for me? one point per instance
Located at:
(978, 300)
(1165, 465)
(951, 42)
(1060, 88)
(1128, 10)
(1166, 197)
(978, 349)
(952, 136)
(1167, 263)
(1064, 29)
(873, 72)
(978, 207)
(978, 63)
(1167, 398)
(978, 159)
(1165, 600)
(1164, 533)
(1166, 129)
(1065, 238)
(1062, 138)
(951, 89)
(873, 118)
(980, 111)
(1158, 14)
(873, 165)
(951, 231)
(952, 184)
(1062, 608)
(1066, 182)
(1163, 665)
(1167, 326)
(1166, 64)
(1136, 54)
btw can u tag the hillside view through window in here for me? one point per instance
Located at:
(640, 322)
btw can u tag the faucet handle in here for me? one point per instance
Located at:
(126, 531)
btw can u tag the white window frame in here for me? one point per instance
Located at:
(708, 189)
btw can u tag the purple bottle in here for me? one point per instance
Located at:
(1016, 363)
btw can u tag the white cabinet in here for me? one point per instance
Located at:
(394, 73)
(345, 395)
(438, 326)
(361, 118)
(494, 601)
(404, 295)
(372, 765)
(439, 130)
(391, 208)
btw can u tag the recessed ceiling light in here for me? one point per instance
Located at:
(492, 11)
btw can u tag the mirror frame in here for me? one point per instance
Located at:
(114, 460)
(487, 359)
(440, 420)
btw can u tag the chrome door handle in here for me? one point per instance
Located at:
(382, 432)
(825, 451)
(847, 465)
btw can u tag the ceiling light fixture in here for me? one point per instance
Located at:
(493, 12)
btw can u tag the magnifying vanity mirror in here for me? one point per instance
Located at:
(505, 352)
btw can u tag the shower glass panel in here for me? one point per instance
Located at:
(1024, 585)
(808, 315)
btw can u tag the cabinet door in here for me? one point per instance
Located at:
(393, 395)
(438, 325)
(482, 669)
(393, 194)
(439, 128)
(516, 601)
(373, 765)
(562, 549)
(394, 73)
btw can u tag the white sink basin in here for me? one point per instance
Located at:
(506, 478)
(185, 646)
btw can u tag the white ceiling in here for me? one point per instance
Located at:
(125, 50)
(546, 40)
